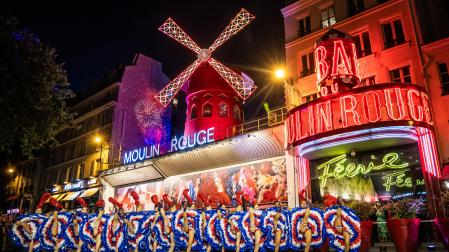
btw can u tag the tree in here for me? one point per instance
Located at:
(33, 91)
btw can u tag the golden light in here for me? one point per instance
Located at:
(10, 170)
(98, 139)
(279, 73)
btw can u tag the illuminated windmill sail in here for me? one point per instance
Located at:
(244, 87)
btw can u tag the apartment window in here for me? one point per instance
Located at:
(80, 149)
(362, 44)
(93, 167)
(304, 26)
(401, 75)
(307, 64)
(393, 33)
(355, 6)
(236, 112)
(224, 111)
(368, 81)
(444, 78)
(207, 110)
(328, 17)
(80, 171)
(68, 174)
(310, 97)
(194, 112)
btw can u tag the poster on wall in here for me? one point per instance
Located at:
(263, 182)
(385, 174)
(145, 191)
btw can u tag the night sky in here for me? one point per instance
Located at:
(93, 39)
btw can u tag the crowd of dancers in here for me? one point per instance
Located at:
(213, 227)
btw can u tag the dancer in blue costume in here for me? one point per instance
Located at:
(25, 231)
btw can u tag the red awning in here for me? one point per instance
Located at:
(12, 197)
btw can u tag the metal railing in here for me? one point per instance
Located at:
(275, 117)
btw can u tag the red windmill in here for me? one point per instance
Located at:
(209, 99)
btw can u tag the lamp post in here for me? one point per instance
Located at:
(98, 139)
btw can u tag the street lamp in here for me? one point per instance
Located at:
(292, 95)
(10, 170)
(98, 139)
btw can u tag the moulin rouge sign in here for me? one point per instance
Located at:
(343, 108)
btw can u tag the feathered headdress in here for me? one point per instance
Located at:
(238, 197)
(43, 199)
(99, 203)
(81, 201)
(167, 200)
(115, 202)
(155, 200)
(186, 195)
(204, 199)
(329, 200)
(135, 197)
(55, 203)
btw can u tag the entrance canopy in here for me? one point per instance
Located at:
(253, 146)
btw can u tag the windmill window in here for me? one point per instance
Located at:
(194, 112)
(223, 96)
(207, 96)
(207, 110)
(237, 113)
(224, 110)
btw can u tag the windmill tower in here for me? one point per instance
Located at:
(214, 93)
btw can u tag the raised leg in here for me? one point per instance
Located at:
(257, 236)
(277, 239)
(190, 242)
(237, 242)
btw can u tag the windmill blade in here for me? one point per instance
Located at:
(242, 19)
(243, 86)
(168, 92)
(174, 31)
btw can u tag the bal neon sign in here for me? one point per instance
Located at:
(336, 167)
(184, 142)
(336, 62)
(378, 105)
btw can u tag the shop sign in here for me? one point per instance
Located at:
(92, 181)
(176, 144)
(55, 189)
(74, 186)
(378, 105)
(340, 168)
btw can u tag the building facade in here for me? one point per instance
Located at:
(396, 41)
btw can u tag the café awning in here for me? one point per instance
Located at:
(71, 196)
(89, 192)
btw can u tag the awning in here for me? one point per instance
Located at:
(13, 197)
(57, 197)
(245, 148)
(89, 192)
(71, 196)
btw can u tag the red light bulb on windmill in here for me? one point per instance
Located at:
(212, 89)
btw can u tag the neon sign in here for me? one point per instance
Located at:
(336, 62)
(336, 168)
(184, 142)
(72, 186)
(378, 105)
